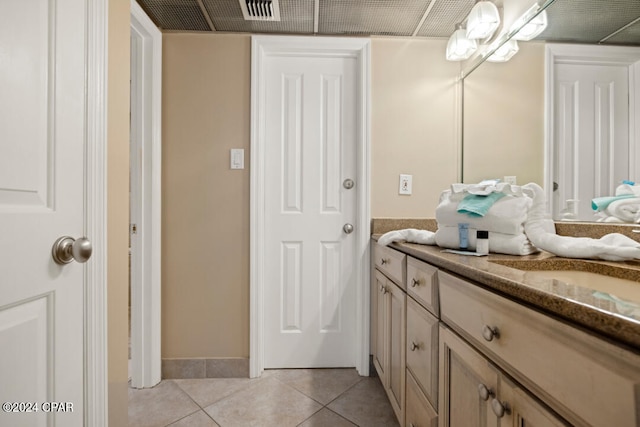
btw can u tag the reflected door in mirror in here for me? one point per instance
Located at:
(591, 133)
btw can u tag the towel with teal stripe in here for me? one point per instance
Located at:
(476, 205)
(600, 203)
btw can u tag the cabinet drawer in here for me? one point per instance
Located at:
(419, 412)
(422, 349)
(585, 379)
(391, 263)
(422, 284)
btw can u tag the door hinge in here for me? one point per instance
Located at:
(133, 228)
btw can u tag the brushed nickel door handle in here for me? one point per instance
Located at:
(347, 228)
(67, 249)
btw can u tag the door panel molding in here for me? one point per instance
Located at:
(263, 46)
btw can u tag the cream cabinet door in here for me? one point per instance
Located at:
(522, 409)
(397, 339)
(467, 383)
(381, 327)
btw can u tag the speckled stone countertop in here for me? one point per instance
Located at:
(517, 277)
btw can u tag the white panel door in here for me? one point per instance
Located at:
(310, 151)
(42, 126)
(591, 134)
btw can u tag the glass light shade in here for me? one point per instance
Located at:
(504, 52)
(533, 28)
(459, 46)
(483, 20)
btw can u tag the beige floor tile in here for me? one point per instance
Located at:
(326, 418)
(208, 391)
(199, 419)
(322, 385)
(159, 406)
(365, 404)
(266, 402)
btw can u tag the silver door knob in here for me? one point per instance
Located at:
(67, 249)
(348, 228)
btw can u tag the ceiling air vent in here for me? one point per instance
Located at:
(260, 10)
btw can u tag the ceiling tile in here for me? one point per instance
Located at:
(377, 17)
(182, 15)
(443, 17)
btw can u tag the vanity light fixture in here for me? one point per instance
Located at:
(483, 20)
(504, 52)
(533, 28)
(459, 46)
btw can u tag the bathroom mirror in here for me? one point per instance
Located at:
(503, 115)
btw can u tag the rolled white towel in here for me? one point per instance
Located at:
(410, 235)
(541, 231)
(510, 244)
(628, 210)
(507, 215)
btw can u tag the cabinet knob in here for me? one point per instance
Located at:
(415, 282)
(383, 289)
(484, 392)
(383, 261)
(499, 408)
(489, 333)
(414, 346)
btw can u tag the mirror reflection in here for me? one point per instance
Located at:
(588, 146)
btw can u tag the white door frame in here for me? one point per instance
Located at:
(261, 47)
(145, 164)
(95, 337)
(590, 55)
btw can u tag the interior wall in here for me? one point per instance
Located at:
(504, 118)
(118, 208)
(206, 112)
(414, 125)
(205, 213)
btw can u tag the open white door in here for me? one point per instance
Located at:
(145, 198)
(51, 336)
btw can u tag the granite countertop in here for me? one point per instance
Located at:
(614, 318)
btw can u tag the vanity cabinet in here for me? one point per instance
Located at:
(389, 301)
(584, 379)
(404, 335)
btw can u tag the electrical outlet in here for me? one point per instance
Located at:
(405, 184)
(510, 179)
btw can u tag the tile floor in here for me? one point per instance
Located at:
(280, 398)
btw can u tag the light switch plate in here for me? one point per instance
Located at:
(405, 184)
(237, 158)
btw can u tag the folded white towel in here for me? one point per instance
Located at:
(410, 235)
(628, 210)
(510, 244)
(624, 189)
(507, 215)
(459, 190)
(541, 231)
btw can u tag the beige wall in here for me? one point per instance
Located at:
(205, 214)
(413, 125)
(118, 208)
(206, 112)
(504, 118)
